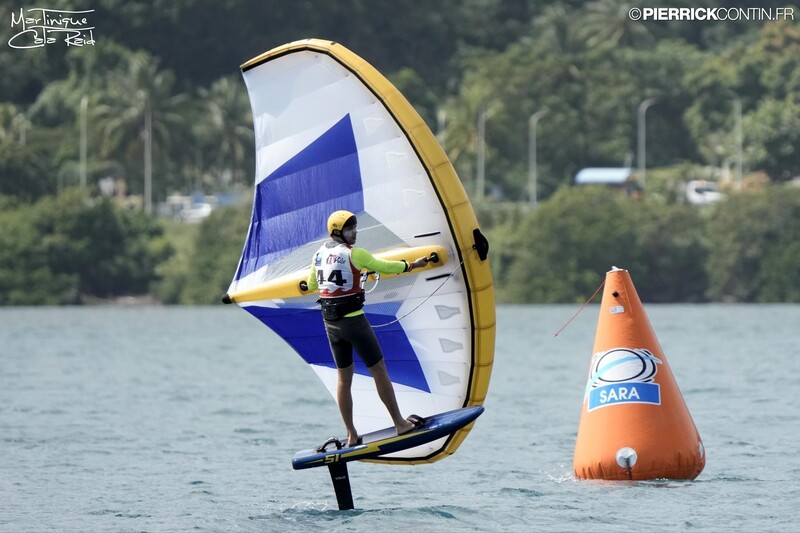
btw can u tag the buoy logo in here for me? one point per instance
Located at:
(623, 375)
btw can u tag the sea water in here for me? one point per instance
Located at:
(181, 418)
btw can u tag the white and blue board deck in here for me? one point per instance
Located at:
(386, 441)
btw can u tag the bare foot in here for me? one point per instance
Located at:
(405, 427)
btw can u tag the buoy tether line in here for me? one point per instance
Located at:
(581, 308)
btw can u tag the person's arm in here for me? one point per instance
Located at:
(311, 281)
(364, 260)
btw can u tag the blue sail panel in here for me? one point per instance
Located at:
(320, 179)
(304, 331)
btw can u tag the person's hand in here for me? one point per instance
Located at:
(419, 263)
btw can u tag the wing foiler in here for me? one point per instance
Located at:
(332, 133)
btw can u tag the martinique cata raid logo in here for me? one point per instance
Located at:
(623, 375)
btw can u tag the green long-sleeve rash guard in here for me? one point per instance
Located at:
(363, 260)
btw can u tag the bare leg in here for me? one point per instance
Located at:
(345, 398)
(386, 393)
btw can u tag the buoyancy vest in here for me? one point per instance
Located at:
(338, 280)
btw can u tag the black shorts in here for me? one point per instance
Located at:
(353, 332)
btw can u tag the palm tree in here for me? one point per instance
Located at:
(465, 117)
(228, 132)
(139, 109)
(608, 24)
(564, 46)
(563, 49)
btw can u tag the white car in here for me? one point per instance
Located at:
(702, 192)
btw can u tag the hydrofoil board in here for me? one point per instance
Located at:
(386, 441)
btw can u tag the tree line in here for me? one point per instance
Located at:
(169, 113)
(158, 105)
(76, 248)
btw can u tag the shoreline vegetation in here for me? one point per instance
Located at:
(89, 250)
(97, 140)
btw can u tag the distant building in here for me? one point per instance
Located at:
(622, 178)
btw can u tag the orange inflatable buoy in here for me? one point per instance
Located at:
(634, 422)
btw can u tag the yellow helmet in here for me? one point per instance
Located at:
(339, 219)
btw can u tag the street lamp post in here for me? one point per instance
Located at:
(532, 163)
(737, 109)
(84, 109)
(148, 162)
(481, 155)
(641, 128)
(441, 124)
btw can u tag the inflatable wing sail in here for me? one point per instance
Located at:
(332, 133)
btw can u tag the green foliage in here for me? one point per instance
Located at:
(226, 138)
(591, 93)
(24, 173)
(173, 273)
(418, 93)
(780, 281)
(755, 255)
(762, 76)
(586, 62)
(25, 72)
(216, 253)
(26, 276)
(570, 241)
(560, 251)
(140, 102)
(90, 70)
(674, 250)
(773, 138)
(173, 65)
(71, 248)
